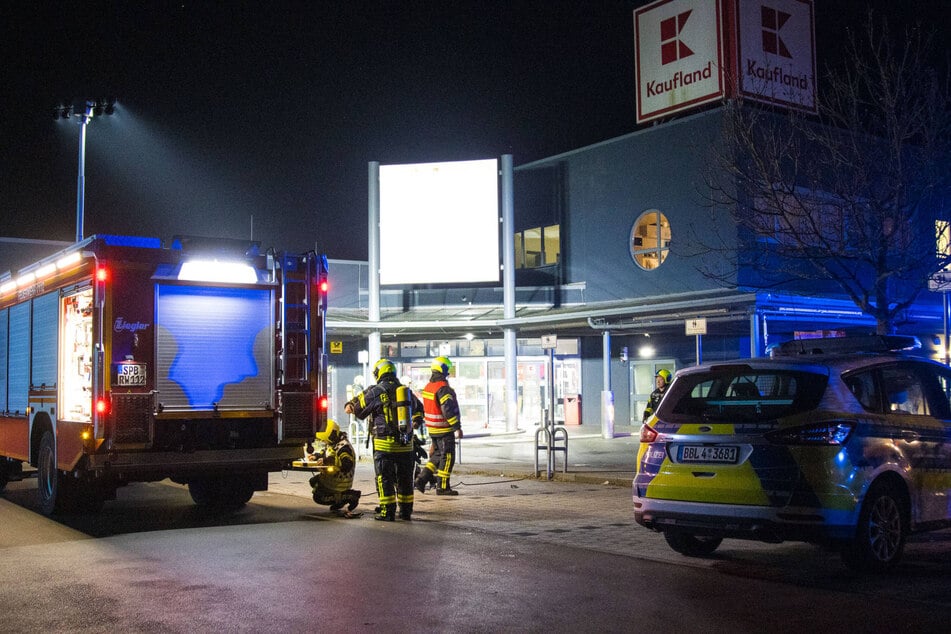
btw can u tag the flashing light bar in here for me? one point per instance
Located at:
(8, 287)
(25, 280)
(216, 271)
(68, 260)
(45, 271)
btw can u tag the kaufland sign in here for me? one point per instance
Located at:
(692, 52)
(776, 52)
(679, 56)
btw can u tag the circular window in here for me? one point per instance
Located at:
(650, 239)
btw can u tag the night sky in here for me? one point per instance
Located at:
(241, 118)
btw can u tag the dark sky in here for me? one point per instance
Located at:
(272, 110)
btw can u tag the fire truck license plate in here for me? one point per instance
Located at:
(131, 374)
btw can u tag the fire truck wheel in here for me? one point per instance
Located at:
(4, 474)
(47, 476)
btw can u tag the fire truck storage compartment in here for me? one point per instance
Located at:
(18, 381)
(45, 329)
(214, 348)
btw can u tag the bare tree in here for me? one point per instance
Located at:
(850, 199)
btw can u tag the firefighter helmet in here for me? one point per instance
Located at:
(383, 366)
(330, 432)
(441, 365)
(664, 374)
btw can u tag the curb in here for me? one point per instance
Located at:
(605, 478)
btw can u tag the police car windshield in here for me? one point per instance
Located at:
(742, 394)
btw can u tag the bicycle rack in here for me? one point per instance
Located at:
(551, 434)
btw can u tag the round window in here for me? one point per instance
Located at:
(650, 239)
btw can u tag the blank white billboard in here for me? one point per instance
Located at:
(439, 223)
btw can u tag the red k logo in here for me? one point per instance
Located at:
(773, 22)
(671, 47)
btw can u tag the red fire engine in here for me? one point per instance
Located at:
(126, 359)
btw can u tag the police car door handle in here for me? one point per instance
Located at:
(909, 436)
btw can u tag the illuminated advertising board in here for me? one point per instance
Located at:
(439, 223)
(679, 63)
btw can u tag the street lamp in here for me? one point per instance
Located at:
(92, 109)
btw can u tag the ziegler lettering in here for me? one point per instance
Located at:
(131, 326)
(679, 80)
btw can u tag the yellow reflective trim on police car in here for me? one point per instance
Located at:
(716, 484)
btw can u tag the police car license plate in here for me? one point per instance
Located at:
(705, 453)
(131, 374)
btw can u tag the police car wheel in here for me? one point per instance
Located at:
(691, 545)
(880, 535)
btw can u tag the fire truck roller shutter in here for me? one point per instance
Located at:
(215, 345)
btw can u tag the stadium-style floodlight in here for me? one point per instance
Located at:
(92, 109)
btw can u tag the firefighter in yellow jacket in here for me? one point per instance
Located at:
(393, 411)
(441, 411)
(336, 464)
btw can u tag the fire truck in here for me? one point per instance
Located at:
(130, 359)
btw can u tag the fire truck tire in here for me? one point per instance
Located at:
(4, 473)
(48, 480)
(224, 493)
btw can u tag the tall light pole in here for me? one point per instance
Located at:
(84, 120)
(92, 109)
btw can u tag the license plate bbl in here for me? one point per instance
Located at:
(707, 453)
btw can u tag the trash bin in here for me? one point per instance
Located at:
(572, 409)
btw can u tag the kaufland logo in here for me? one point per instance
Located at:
(680, 79)
(672, 48)
(772, 22)
(776, 52)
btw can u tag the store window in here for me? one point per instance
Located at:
(538, 247)
(942, 233)
(650, 239)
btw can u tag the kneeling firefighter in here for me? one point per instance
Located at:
(337, 462)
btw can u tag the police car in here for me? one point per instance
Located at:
(844, 442)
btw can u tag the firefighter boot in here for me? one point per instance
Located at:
(446, 489)
(387, 513)
(406, 511)
(353, 498)
(424, 477)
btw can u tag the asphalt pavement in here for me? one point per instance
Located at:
(588, 505)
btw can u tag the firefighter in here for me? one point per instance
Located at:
(441, 412)
(337, 462)
(393, 412)
(661, 381)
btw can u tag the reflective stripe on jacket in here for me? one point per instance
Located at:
(440, 408)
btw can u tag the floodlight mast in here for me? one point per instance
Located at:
(92, 109)
(84, 119)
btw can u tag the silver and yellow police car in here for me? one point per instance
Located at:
(843, 442)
